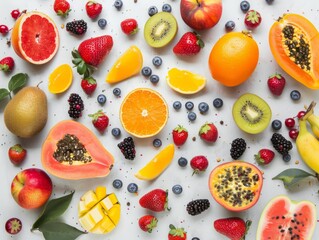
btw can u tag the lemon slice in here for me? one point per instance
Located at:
(60, 79)
(184, 81)
(157, 165)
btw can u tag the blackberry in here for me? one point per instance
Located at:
(77, 27)
(281, 144)
(76, 106)
(198, 206)
(238, 147)
(127, 147)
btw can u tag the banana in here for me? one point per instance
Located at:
(313, 120)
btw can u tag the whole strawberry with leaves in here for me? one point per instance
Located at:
(61, 7)
(252, 19)
(264, 156)
(176, 233)
(147, 223)
(129, 26)
(234, 228)
(155, 200)
(189, 44)
(208, 132)
(93, 9)
(88, 85)
(17, 154)
(180, 135)
(100, 120)
(276, 84)
(199, 164)
(6, 64)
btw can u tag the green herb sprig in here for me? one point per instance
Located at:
(16, 82)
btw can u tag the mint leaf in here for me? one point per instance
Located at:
(17, 81)
(292, 176)
(53, 209)
(3, 93)
(60, 231)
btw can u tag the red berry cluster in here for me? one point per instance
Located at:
(291, 125)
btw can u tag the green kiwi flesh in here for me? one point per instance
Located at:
(251, 113)
(160, 29)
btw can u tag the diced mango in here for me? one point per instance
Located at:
(96, 213)
(115, 213)
(87, 222)
(100, 192)
(107, 224)
(82, 208)
(113, 198)
(89, 199)
(107, 203)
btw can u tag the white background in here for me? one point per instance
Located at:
(194, 186)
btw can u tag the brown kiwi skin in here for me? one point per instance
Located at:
(251, 101)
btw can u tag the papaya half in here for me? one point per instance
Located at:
(293, 41)
(72, 151)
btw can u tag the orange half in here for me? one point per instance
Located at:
(60, 79)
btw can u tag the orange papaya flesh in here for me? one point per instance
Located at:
(88, 160)
(293, 40)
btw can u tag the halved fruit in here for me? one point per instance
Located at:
(157, 165)
(60, 79)
(184, 81)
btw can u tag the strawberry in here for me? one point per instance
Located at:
(129, 26)
(189, 44)
(234, 228)
(180, 135)
(6, 64)
(252, 19)
(93, 9)
(17, 154)
(208, 132)
(199, 164)
(264, 156)
(88, 85)
(276, 84)
(176, 233)
(155, 200)
(100, 120)
(61, 7)
(147, 223)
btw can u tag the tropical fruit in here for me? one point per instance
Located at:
(60, 79)
(251, 113)
(98, 211)
(157, 165)
(233, 58)
(184, 81)
(143, 112)
(35, 37)
(285, 219)
(27, 113)
(129, 64)
(160, 29)
(72, 151)
(293, 41)
(236, 185)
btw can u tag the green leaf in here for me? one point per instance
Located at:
(53, 209)
(292, 176)
(3, 93)
(60, 231)
(17, 81)
(82, 68)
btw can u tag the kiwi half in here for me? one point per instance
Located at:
(160, 29)
(251, 113)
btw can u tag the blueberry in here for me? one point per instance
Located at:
(218, 103)
(166, 8)
(189, 105)
(182, 162)
(286, 157)
(101, 99)
(102, 23)
(157, 61)
(117, 92)
(152, 11)
(295, 95)
(244, 6)
(195, 238)
(276, 124)
(203, 107)
(146, 71)
(230, 25)
(117, 184)
(118, 4)
(177, 189)
(192, 116)
(269, 1)
(154, 78)
(157, 142)
(177, 105)
(132, 188)
(116, 132)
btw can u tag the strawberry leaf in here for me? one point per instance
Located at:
(61, 231)
(292, 176)
(17, 81)
(3, 93)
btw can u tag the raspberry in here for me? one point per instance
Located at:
(77, 27)
(198, 206)
(127, 147)
(238, 147)
(76, 106)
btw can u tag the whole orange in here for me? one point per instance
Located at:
(233, 58)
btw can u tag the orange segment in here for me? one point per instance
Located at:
(143, 112)
(184, 81)
(60, 79)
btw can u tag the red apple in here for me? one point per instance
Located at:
(31, 188)
(201, 14)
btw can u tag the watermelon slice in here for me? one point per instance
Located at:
(283, 219)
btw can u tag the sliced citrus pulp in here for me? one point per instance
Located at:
(157, 165)
(35, 37)
(184, 81)
(143, 112)
(126, 66)
(60, 79)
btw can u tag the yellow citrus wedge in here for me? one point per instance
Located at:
(60, 79)
(184, 81)
(157, 165)
(128, 64)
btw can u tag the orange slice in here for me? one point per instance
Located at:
(157, 165)
(184, 81)
(60, 79)
(143, 113)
